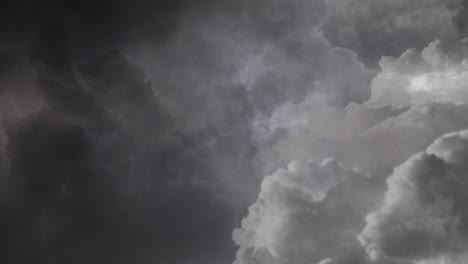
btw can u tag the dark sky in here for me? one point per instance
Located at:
(97, 172)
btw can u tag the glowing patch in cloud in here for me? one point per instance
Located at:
(420, 83)
(445, 86)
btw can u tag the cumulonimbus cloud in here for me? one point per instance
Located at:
(302, 211)
(225, 93)
(415, 98)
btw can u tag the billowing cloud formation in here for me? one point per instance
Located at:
(387, 28)
(105, 161)
(437, 73)
(271, 48)
(415, 98)
(307, 213)
(303, 63)
(424, 211)
(421, 219)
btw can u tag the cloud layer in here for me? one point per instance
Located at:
(141, 131)
(417, 96)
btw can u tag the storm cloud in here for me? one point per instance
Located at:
(147, 131)
(423, 207)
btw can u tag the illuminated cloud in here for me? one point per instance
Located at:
(307, 213)
(416, 78)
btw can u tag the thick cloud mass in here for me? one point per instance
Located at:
(141, 131)
(306, 213)
(89, 175)
(418, 95)
(387, 28)
(437, 73)
(424, 213)
(96, 167)
(416, 98)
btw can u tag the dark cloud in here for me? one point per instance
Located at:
(139, 131)
(93, 20)
(101, 174)
(98, 169)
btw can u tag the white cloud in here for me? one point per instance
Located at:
(416, 98)
(307, 213)
(416, 78)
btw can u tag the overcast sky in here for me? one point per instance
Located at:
(234, 131)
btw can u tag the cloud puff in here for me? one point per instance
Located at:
(424, 211)
(306, 213)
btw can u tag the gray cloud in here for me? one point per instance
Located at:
(417, 97)
(165, 156)
(298, 217)
(388, 28)
(436, 73)
(397, 121)
(423, 213)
